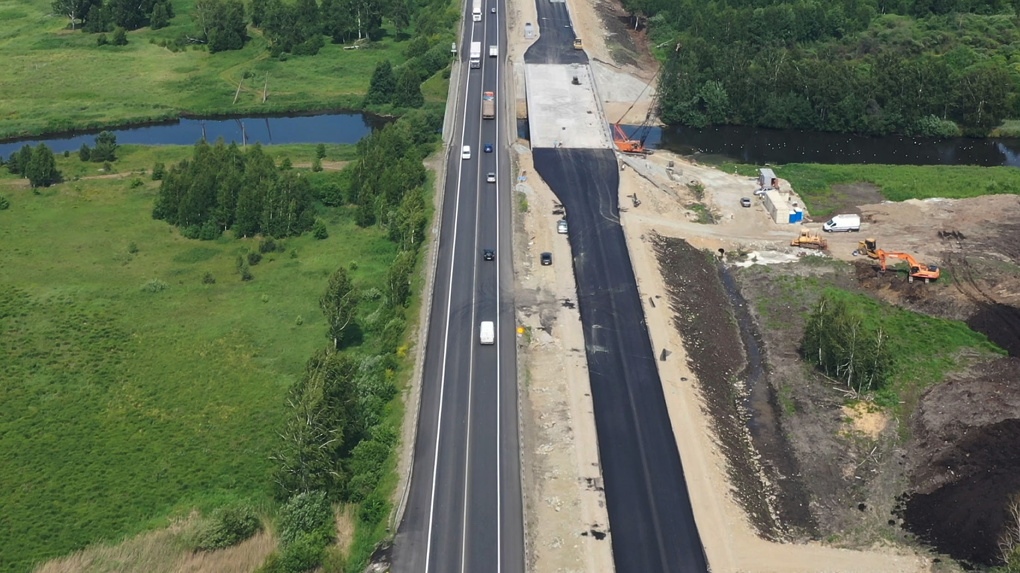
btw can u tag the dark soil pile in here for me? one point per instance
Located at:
(965, 461)
(704, 315)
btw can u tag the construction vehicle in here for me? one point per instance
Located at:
(635, 142)
(867, 247)
(578, 45)
(917, 269)
(809, 240)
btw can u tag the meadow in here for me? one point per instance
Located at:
(56, 79)
(814, 182)
(123, 404)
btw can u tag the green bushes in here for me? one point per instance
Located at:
(227, 526)
(874, 347)
(221, 187)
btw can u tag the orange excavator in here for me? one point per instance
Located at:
(917, 269)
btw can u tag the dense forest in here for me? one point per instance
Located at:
(924, 67)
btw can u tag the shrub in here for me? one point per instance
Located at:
(67, 153)
(107, 167)
(268, 245)
(228, 526)
(84, 152)
(373, 510)
(132, 248)
(155, 285)
(120, 37)
(4, 203)
(158, 171)
(319, 230)
(317, 165)
(306, 513)
(208, 279)
(254, 258)
(320, 151)
(210, 231)
(135, 183)
(303, 554)
(101, 40)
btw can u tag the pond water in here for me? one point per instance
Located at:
(760, 146)
(325, 128)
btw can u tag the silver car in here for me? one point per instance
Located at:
(561, 226)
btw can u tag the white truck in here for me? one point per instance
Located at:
(493, 51)
(476, 10)
(487, 332)
(476, 54)
(843, 223)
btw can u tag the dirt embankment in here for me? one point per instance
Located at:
(729, 371)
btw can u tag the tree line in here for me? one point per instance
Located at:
(37, 164)
(222, 187)
(103, 15)
(837, 65)
(336, 440)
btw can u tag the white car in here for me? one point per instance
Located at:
(490, 178)
(561, 226)
(466, 152)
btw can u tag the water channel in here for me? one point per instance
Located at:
(323, 128)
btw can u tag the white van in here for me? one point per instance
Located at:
(466, 152)
(493, 51)
(487, 333)
(843, 223)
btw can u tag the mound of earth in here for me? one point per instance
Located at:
(964, 463)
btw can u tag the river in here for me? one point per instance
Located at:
(324, 128)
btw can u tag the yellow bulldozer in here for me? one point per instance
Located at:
(867, 247)
(809, 240)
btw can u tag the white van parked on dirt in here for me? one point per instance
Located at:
(842, 224)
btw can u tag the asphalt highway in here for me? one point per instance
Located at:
(650, 517)
(464, 511)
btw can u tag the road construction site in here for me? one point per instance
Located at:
(784, 472)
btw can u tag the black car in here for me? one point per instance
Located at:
(489, 254)
(546, 259)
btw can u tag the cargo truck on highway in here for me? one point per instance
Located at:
(476, 54)
(476, 10)
(488, 105)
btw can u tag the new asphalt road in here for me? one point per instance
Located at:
(464, 509)
(650, 516)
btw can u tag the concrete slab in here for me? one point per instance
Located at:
(562, 114)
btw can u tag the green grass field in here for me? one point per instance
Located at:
(55, 79)
(813, 181)
(120, 407)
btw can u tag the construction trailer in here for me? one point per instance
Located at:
(780, 208)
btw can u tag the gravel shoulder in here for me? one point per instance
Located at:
(566, 520)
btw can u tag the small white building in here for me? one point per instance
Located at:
(767, 179)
